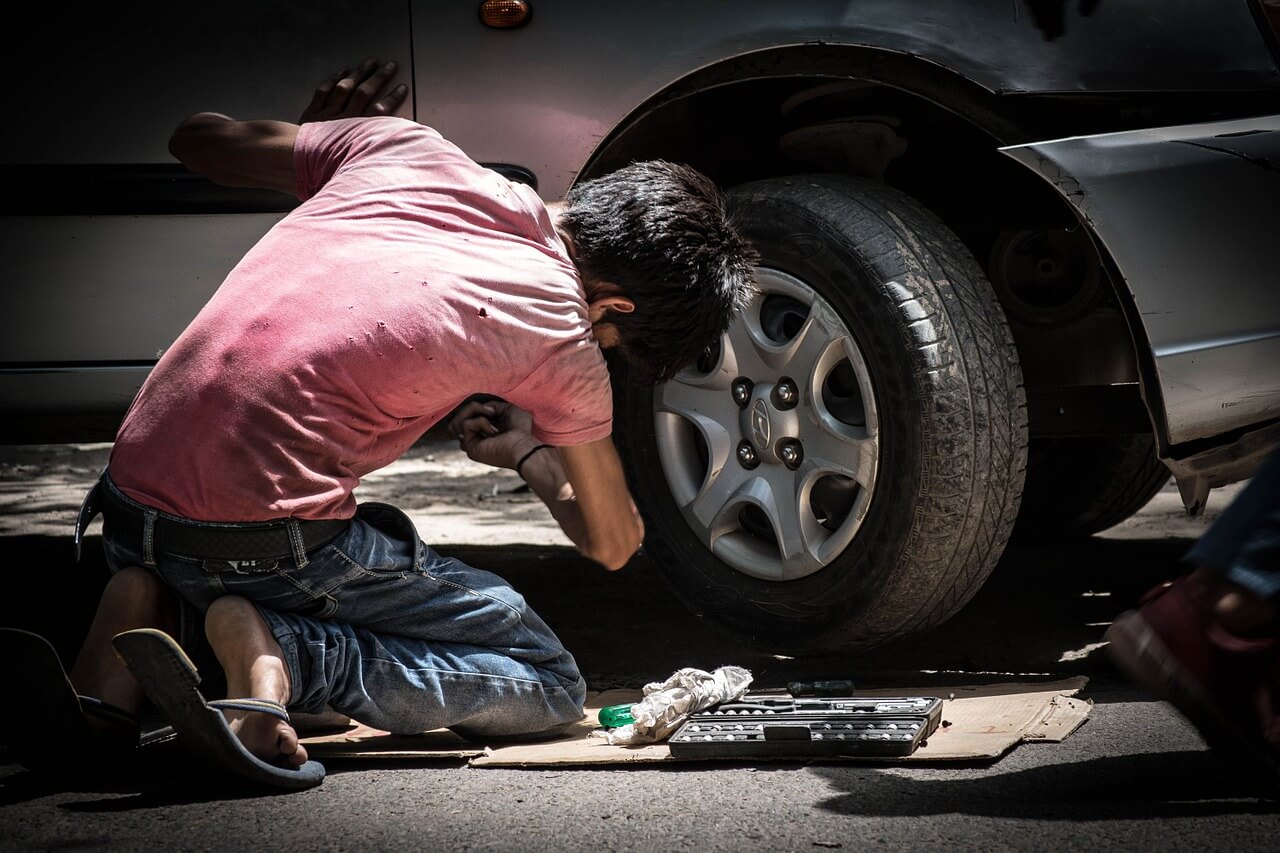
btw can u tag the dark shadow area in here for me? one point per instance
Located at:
(195, 787)
(1127, 787)
(177, 781)
(21, 786)
(177, 786)
(336, 765)
(1038, 618)
(158, 794)
(47, 592)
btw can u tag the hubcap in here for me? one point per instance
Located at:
(771, 446)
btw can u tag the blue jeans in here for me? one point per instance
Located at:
(380, 627)
(1244, 543)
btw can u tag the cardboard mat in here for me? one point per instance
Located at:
(978, 723)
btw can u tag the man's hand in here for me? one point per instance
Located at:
(349, 94)
(259, 153)
(582, 485)
(494, 433)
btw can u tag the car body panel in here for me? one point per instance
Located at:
(90, 302)
(1209, 308)
(573, 91)
(105, 294)
(96, 300)
(122, 289)
(115, 80)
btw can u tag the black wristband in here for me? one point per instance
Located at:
(525, 458)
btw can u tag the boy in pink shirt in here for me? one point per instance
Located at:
(408, 280)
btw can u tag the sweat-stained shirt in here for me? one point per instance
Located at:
(408, 279)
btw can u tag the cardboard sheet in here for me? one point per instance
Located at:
(979, 723)
(365, 743)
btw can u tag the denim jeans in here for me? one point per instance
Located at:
(1244, 543)
(380, 627)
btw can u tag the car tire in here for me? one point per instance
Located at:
(940, 453)
(1078, 486)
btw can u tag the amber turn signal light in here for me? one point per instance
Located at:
(505, 14)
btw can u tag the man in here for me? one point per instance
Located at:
(1210, 642)
(409, 280)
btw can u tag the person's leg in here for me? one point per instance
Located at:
(380, 628)
(444, 644)
(255, 669)
(407, 685)
(1210, 643)
(133, 598)
(1243, 548)
(521, 681)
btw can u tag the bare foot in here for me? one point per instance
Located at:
(268, 737)
(255, 669)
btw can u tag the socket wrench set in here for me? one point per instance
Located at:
(773, 726)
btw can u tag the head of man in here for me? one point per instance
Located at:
(663, 266)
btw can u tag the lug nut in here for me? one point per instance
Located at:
(747, 455)
(786, 394)
(791, 454)
(741, 391)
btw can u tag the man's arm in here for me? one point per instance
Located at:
(256, 154)
(583, 486)
(586, 491)
(259, 153)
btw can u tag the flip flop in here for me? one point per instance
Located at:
(44, 701)
(170, 681)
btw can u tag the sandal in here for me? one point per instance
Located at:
(31, 667)
(170, 681)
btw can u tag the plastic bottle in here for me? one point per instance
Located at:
(616, 716)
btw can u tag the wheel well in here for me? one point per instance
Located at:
(946, 157)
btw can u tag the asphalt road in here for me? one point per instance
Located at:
(1135, 776)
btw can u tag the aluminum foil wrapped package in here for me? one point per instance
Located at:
(669, 703)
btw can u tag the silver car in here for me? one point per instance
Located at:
(1018, 259)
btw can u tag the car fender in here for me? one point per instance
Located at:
(1187, 218)
(554, 90)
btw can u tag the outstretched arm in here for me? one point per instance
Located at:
(259, 153)
(583, 486)
(256, 154)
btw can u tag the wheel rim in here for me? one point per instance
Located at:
(770, 442)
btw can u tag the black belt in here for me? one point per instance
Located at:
(264, 540)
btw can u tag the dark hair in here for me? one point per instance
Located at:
(661, 232)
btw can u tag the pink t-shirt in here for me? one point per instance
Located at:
(409, 279)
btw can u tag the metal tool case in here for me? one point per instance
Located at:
(783, 727)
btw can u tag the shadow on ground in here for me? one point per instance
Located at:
(1127, 787)
(1041, 616)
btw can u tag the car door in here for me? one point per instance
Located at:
(111, 247)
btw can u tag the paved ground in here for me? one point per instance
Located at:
(1134, 777)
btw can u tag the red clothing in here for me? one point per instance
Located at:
(409, 279)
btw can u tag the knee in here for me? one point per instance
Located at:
(135, 585)
(227, 614)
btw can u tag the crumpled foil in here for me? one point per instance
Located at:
(669, 703)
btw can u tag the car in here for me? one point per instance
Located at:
(1017, 259)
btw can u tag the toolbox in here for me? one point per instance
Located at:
(773, 726)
